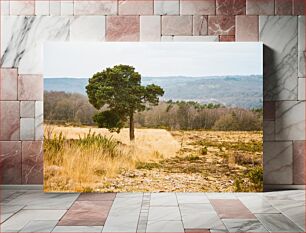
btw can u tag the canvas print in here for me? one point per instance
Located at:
(153, 117)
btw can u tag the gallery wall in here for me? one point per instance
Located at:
(26, 25)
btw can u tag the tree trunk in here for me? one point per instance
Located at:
(132, 134)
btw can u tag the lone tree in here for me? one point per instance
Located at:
(119, 89)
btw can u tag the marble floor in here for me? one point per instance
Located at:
(35, 211)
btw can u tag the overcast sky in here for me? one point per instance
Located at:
(82, 60)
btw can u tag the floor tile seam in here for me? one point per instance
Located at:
(219, 216)
(11, 216)
(8, 199)
(292, 220)
(141, 208)
(298, 227)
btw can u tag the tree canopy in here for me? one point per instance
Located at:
(119, 89)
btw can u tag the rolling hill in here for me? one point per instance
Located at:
(240, 91)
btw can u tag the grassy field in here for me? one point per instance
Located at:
(87, 160)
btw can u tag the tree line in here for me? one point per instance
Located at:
(75, 109)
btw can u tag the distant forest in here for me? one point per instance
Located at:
(74, 109)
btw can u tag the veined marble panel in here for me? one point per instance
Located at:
(24, 7)
(166, 7)
(87, 28)
(105, 7)
(269, 130)
(301, 46)
(301, 89)
(39, 120)
(278, 163)
(290, 120)
(279, 35)
(23, 37)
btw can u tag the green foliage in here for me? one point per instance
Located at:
(109, 119)
(54, 146)
(107, 144)
(74, 109)
(256, 176)
(252, 146)
(119, 89)
(57, 143)
(251, 182)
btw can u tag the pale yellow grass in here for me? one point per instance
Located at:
(77, 168)
(147, 140)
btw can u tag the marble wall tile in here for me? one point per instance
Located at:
(301, 46)
(30, 87)
(150, 28)
(247, 28)
(87, 28)
(223, 38)
(22, 7)
(279, 35)
(5, 7)
(176, 25)
(122, 28)
(27, 109)
(18, 34)
(10, 162)
(107, 7)
(39, 120)
(66, 7)
(55, 8)
(301, 89)
(203, 7)
(9, 120)
(221, 25)
(135, 7)
(8, 84)
(42, 7)
(278, 163)
(299, 162)
(27, 130)
(260, 7)
(166, 7)
(269, 110)
(290, 120)
(283, 7)
(269, 131)
(200, 25)
(190, 38)
(32, 162)
(230, 7)
(298, 7)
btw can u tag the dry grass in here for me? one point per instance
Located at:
(70, 166)
(83, 159)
